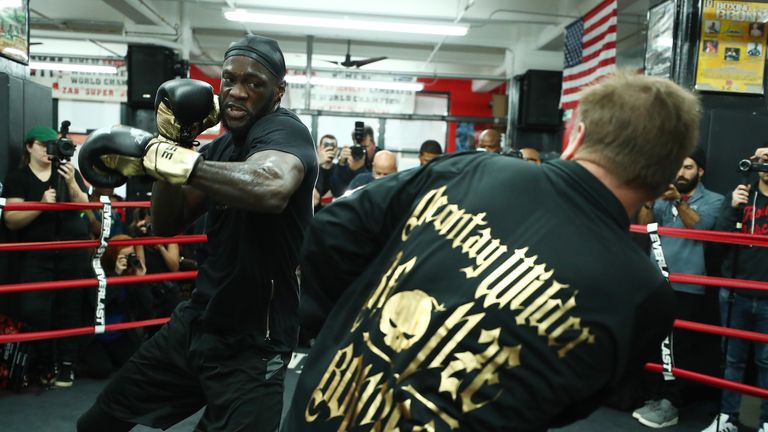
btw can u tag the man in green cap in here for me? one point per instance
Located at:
(34, 181)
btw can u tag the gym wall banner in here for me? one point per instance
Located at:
(87, 86)
(354, 99)
(731, 56)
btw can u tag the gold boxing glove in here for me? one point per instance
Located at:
(166, 160)
(185, 108)
(170, 127)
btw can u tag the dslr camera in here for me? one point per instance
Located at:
(747, 166)
(358, 151)
(133, 261)
(63, 148)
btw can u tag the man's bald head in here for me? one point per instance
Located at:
(490, 140)
(384, 164)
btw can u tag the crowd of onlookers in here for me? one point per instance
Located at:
(40, 178)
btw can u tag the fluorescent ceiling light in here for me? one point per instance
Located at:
(337, 82)
(346, 23)
(10, 4)
(71, 67)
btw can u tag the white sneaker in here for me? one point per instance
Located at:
(763, 428)
(724, 423)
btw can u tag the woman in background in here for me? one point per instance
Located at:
(106, 353)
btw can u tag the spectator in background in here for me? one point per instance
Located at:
(92, 217)
(685, 204)
(327, 148)
(34, 181)
(106, 353)
(384, 164)
(531, 155)
(159, 258)
(348, 168)
(429, 150)
(747, 204)
(490, 141)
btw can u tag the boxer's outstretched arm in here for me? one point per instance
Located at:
(263, 183)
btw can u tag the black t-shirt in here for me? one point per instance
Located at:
(249, 279)
(746, 262)
(479, 292)
(324, 179)
(49, 225)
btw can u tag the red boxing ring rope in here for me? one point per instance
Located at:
(84, 244)
(21, 206)
(712, 381)
(78, 331)
(704, 235)
(721, 331)
(718, 281)
(90, 282)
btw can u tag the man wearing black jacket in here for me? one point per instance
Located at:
(745, 210)
(518, 310)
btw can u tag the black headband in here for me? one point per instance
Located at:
(263, 50)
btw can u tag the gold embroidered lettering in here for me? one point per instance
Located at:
(474, 221)
(456, 318)
(485, 258)
(331, 385)
(539, 301)
(523, 290)
(402, 410)
(450, 421)
(415, 219)
(585, 336)
(558, 309)
(467, 361)
(451, 215)
(508, 357)
(484, 289)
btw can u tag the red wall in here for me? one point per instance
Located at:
(196, 73)
(463, 102)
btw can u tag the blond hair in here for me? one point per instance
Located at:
(639, 128)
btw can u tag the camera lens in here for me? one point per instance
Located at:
(66, 148)
(745, 165)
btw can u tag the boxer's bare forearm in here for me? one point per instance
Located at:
(264, 183)
(174, 208)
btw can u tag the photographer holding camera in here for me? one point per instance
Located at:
(746, 211)
(44, 160)
(354, 160)
(327, 149)
(106, 353)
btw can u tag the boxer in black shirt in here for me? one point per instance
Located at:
(228, 348)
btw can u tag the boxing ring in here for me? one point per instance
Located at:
(105, 206)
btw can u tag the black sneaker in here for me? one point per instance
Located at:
(48, 376)
(66, 376)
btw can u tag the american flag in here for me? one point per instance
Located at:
(590, 51)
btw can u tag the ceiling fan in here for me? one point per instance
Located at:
(348, 62)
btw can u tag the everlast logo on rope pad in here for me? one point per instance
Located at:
(395, 365)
